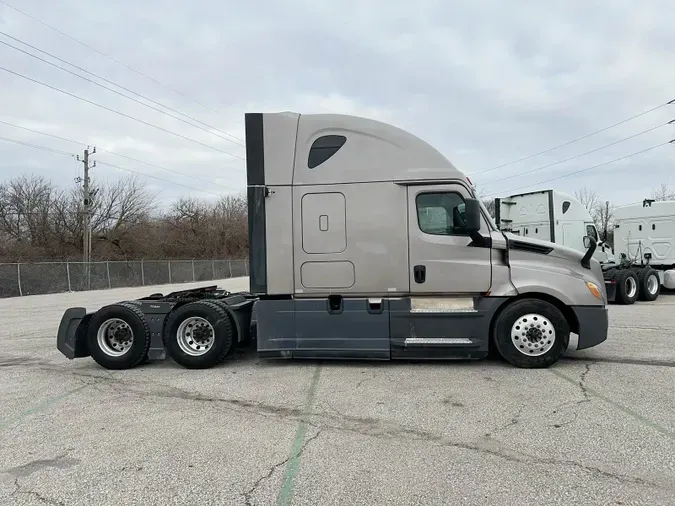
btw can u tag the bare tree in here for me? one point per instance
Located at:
(663, 192)
(118, 209)
(603, 216)
(27, 217)
(588, 198)
(489, 203)
(197, 228)
(40, 221)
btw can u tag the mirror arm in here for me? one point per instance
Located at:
(478, 241)
(586, 260)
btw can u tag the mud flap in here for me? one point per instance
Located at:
(71, 339)
(610, 287)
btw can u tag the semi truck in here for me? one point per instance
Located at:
(643, 238)
(365, 242)
(644, 235)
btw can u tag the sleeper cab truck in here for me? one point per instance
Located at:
(643, 238)
(365, 242)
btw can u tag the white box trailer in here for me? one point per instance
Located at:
(560, 218)
(645, 234)
(548, 215)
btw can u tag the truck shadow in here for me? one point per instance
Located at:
(618, 360)
(246, 353)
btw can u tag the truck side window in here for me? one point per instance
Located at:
(565, 206)
(441, 213)
(323, 148)
(590, 231)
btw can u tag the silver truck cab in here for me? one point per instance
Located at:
(366, 242)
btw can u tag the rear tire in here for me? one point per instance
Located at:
(118, 336)
(199, 335)
(627, 286)
(531, 333)
(649, 284)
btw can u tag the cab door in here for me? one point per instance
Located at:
(441, 260)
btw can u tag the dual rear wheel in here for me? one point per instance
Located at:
(197, 335)
(649, 284)
(636, 284)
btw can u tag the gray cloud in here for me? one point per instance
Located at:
(484, 81)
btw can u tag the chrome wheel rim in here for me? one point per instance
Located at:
(195, 336)
(653, 283)
(115, 337)
(533, 335)
(631, 286)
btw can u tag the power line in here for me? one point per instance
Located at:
(120, 113)
(61, 214)
(109, 57)
(580, 155)
(43, 133)
(155, 177)
(209, 129)
(574, 140)
(119, 154)
(37, 146)
(584, 170)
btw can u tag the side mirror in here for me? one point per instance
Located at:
(590, 245)
(472, 216)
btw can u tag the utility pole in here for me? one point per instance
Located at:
(86, 222)
(606, 220)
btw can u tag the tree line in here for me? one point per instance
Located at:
(40, 221)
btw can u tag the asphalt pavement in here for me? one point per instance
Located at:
(598, 428)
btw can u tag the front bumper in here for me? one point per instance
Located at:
(593, 325)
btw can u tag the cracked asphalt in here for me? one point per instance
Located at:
(596, 429)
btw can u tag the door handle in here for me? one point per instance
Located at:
(419, 273)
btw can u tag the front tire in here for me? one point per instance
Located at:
(118, 336)
(531, 333)
(199, 335)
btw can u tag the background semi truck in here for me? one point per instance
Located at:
(643, 257)
(365, 243)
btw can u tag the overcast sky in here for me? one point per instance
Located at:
(487, 82)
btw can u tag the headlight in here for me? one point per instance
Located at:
(594, 289)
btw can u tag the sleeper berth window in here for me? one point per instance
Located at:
(323, 148)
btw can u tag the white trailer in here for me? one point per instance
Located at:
(560, 218)
(645, 234)
(548, 215)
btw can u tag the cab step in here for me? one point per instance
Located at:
(437, 341)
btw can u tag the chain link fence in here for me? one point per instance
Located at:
(55, 277)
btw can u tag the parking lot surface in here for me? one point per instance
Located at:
(598, 428)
